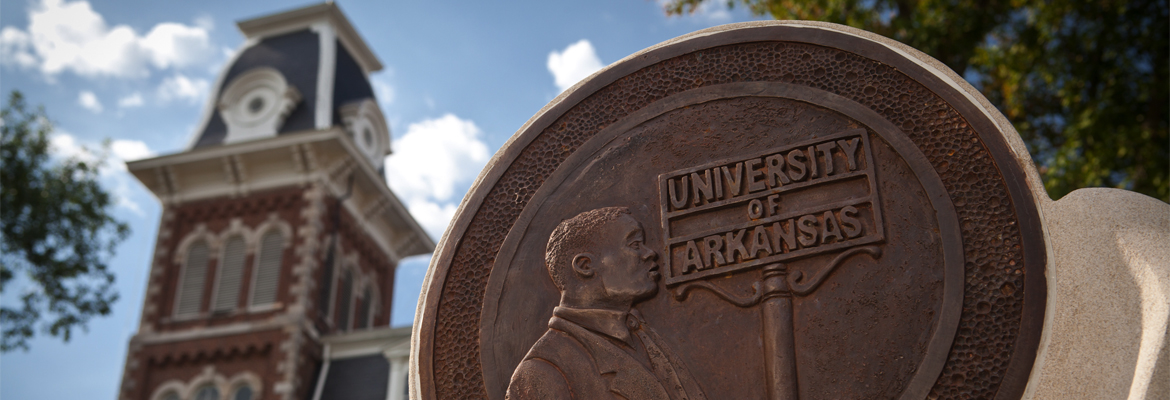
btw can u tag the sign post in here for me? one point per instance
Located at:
(784, 194)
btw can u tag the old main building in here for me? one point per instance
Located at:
(274, 265)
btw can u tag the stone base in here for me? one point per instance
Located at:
(1108, 311)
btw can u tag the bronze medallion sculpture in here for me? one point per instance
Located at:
(768, 210)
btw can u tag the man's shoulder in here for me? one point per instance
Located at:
(553, 368)
(537, 378)
(561, 349)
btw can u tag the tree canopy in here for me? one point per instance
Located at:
(1084, 82)
(56, 232)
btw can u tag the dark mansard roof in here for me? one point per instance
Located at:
(291, 43)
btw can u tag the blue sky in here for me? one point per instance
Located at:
(460, 78)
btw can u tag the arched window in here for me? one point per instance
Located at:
(190, 294)
(170, 396)
(243, 393)
(267, 275)
(207, 392)
(363, 312)
(344, 301)
(326, 295)
(231, 274)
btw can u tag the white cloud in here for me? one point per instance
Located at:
(180, 87)
(385, 93)
(432, 216)
(171, 44)
(430, 161)
(71, 36)
(131, 101)
(573, 64)
(226, 54)
(205, 21)
(382, 89)
(113, 173)
(64, 145)
(90, 101)
(130, 150)
(15, 47)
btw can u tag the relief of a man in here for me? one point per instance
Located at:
(597, 346)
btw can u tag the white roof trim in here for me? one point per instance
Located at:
(364, 169)
(323, 114)
(303, 18)
(368, 342)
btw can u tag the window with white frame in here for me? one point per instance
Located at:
(255, 104)
(190, 297)
(243, 392)
(266, 279)
(230, 275)
(206, 392)
(208, 386)
(367, 127)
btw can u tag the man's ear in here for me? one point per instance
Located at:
(583, 264)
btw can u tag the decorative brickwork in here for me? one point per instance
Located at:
(278, 345)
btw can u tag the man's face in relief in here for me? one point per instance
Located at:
(627, 268)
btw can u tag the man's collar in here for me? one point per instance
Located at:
(606, 322)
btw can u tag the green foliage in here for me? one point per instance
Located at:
(55, 231)
(1084, 82)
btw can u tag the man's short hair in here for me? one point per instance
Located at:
(575, 236)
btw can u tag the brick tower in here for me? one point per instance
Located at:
(278, 236)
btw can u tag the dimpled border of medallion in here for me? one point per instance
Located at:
(955, 135)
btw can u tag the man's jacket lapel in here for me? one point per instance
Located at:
(624, 375)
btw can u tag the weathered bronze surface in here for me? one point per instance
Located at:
(821, 217)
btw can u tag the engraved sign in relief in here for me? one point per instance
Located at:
(766, 211)
(785, 203)
(795, 201)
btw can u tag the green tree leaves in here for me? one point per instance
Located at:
(56, 232)
(1084, 82)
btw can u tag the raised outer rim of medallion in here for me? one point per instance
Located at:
(928, 369)
(1007, 150)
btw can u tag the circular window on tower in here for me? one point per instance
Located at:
(364, 136)
(366, 128)
(368, 138)
(255, 104)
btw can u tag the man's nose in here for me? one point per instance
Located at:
(649, 254)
